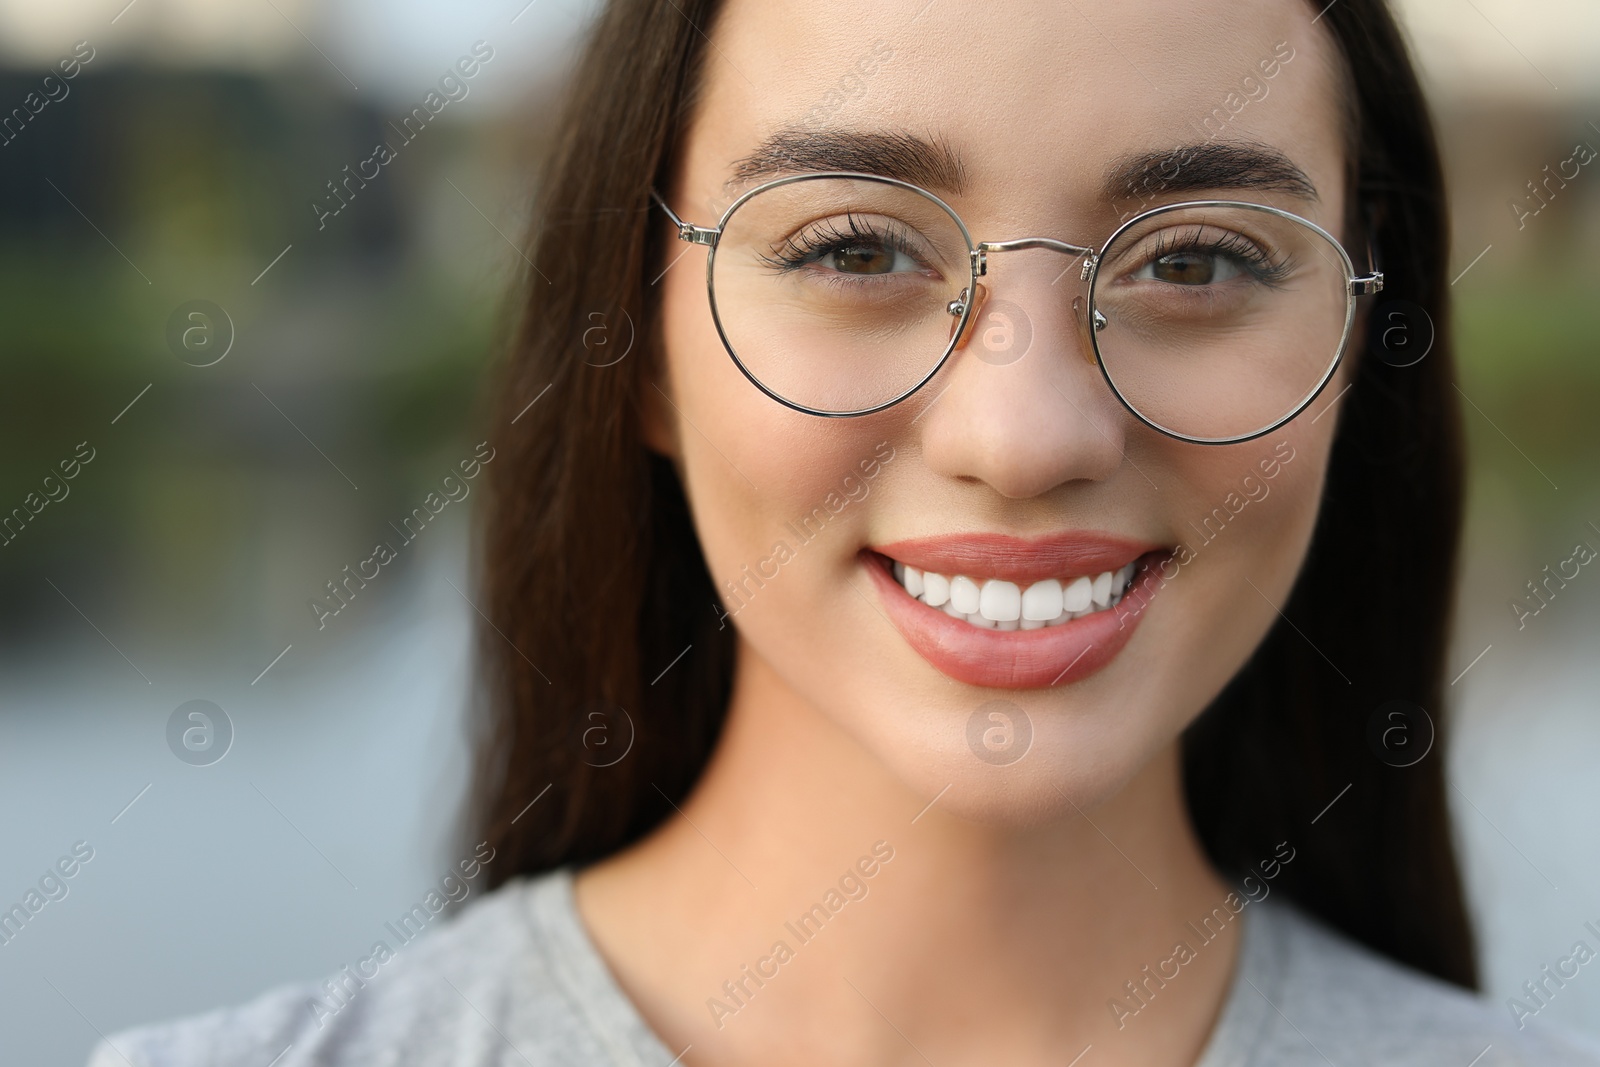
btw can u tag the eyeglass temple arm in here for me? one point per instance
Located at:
(688, 231)
(1372, 281)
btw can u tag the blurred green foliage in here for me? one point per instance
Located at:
(1529, 352)
(371, 336)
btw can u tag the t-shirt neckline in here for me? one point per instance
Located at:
(587, 980)
(596, 996)
(1245, 1009)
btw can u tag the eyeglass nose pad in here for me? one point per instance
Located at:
(1085, 337)
(982, 294)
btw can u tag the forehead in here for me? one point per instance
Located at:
(1037, 100)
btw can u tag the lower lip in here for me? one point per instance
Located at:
(1014, 659)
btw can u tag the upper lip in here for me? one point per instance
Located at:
(1017, 559)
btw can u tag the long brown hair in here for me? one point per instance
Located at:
(593, 582)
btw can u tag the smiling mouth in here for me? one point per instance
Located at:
(996, 604)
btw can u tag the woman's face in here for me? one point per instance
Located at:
(1009, 468)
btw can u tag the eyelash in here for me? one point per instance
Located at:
(1256, 261)
(822, 238)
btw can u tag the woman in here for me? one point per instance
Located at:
(1018, 650)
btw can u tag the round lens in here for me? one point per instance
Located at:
(1216, 322)
(833, 293)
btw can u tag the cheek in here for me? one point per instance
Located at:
(1245, 556)
(777, 496)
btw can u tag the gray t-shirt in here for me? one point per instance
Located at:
(513, 980)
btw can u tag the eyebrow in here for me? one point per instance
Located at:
(934, 165)
(929, 163)
(1207, 165)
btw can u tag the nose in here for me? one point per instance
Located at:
(1021, 404)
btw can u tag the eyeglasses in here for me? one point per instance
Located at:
(1213, 321)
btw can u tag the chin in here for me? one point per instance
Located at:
(1016, 758)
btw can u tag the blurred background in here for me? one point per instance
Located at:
(226, 372)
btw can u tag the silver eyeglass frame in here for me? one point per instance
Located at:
(978, 253)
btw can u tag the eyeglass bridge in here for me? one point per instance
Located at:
(980, 265)
(980, 255)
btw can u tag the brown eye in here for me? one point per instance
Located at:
(863, 260)
(1185, 268)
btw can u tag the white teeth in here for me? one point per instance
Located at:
(999, 600)
(1041, 601)
(996, 604)
(913, 581)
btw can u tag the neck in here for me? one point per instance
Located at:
(751, 914)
